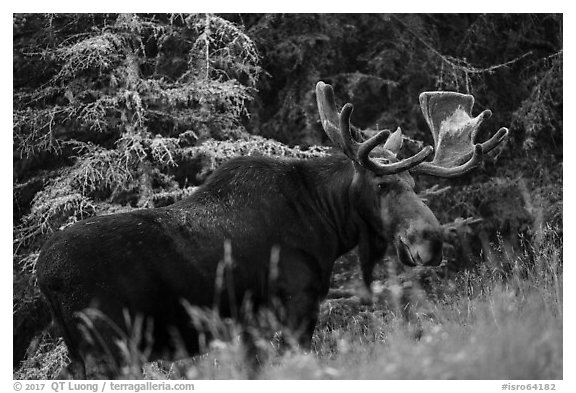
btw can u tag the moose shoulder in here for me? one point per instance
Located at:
(308, 211)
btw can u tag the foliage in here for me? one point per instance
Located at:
(382, 62)
(123, 102)
(538, 112)
(46, 362)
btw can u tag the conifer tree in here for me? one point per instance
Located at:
(137, 108)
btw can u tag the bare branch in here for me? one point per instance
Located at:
(459, 225)
(433, 191)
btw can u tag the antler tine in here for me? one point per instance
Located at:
(498, 138)
(327, 111)
(428, 168)
(490, 144)
(349, 145)
(393, 167)
(337, 127)
(448, 115)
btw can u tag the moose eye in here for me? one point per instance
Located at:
(382, 186)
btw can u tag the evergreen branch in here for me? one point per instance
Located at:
(457, 63)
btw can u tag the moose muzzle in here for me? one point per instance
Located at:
(420, 246)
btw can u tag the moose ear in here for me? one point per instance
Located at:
(394, 142)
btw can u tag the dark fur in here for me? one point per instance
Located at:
(148, 260)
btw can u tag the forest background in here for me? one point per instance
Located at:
(114, 112)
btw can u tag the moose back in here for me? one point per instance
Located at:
(148, 262)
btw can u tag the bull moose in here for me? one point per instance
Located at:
(147, 262)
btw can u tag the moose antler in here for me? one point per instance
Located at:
(448, 115)
(337, 127)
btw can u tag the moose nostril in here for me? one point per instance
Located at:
(423, 252)
(428, 253)
(404, 253)
(418, 258)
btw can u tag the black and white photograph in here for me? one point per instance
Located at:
(287, 196)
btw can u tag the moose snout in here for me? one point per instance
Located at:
(423, 250)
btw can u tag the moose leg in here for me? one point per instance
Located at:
(299, 294)
(75, 370)
(302, 313)
(365, 291)
(253, 355)
(370, 250)
(77, 367)
(72, 337)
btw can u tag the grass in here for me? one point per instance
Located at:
(484, 324)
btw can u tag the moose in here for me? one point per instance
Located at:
(309, 212)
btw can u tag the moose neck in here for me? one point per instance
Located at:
(305, 204)
(331, 179)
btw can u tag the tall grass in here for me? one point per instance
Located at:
(490, 323)
(487, 324)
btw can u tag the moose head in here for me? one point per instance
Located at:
(383, 187)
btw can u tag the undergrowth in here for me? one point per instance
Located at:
(478, 324)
